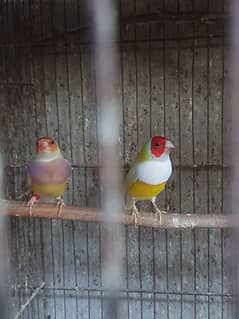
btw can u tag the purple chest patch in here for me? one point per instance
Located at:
(53, 172)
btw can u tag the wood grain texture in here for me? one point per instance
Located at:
(167, 87)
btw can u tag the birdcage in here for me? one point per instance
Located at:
(171, 81)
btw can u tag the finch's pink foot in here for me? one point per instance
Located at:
(31, 203)
(158, 212)
(135, 213)
(60, 204)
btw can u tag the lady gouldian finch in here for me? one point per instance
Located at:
(48, 173)
(149, 173)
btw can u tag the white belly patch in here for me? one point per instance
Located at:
(154, 172)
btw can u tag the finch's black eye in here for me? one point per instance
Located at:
(157, 144)
(52, 142)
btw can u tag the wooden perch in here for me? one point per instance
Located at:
(18, 208)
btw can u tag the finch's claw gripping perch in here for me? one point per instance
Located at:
(135, 214)
(158, 212)
(31, 203)
(60, 204)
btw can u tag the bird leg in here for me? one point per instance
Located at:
(60, 204)
(158, 212)
(31, 203)
(134, 212)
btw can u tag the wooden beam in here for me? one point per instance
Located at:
(184, 220)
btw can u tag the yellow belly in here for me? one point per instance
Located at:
(140, 190)
(49, 190)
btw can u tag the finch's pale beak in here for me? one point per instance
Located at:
(169, 146)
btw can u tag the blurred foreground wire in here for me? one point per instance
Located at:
(234, 141)
(106, 73)
(3, 255)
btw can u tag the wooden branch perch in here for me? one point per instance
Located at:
(18, 208)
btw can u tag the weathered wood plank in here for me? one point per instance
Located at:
(142, 57)
(227, 261)
(172, 131)
(129, 76)
(157, 119)
(186, 178)
(80, 242)
(51, 229)
(133, 272)
(215, 147)
(92, 178)
(186, 156)
(201, 180)
(76, 108)
(65, 142)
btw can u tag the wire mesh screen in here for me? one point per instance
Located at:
(171, 82)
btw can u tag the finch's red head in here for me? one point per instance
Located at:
(46, 144)
(160, 145)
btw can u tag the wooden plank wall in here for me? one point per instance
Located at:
(166, 86)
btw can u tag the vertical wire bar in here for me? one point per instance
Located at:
(99, 199)
(208, 185)
(108, 132)
(32, 78)
(71, 153)
(42, 252)
(137, 128)
(234, 140)
(87, 257)
(150, 119)
(73, 182)
(222, 163)
(101, 271)
(63, 267)
(140, 272)
(137, 123)
(13, 195)
(84, 153)
(127, 267)
(42, 62)
(124, 158)
(3, 255)
(193, 155)
(136, 81)
(53, 269)
(36, 251)
(75, 271)
(164, 121)
(52, 6)
(11, 28)
(180, 151)
(69, 114)
(25, 224)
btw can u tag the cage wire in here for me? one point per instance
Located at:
(233, 142)
(109, 128)
(171, 81)
(3, 253)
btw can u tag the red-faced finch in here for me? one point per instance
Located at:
(149, 173)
